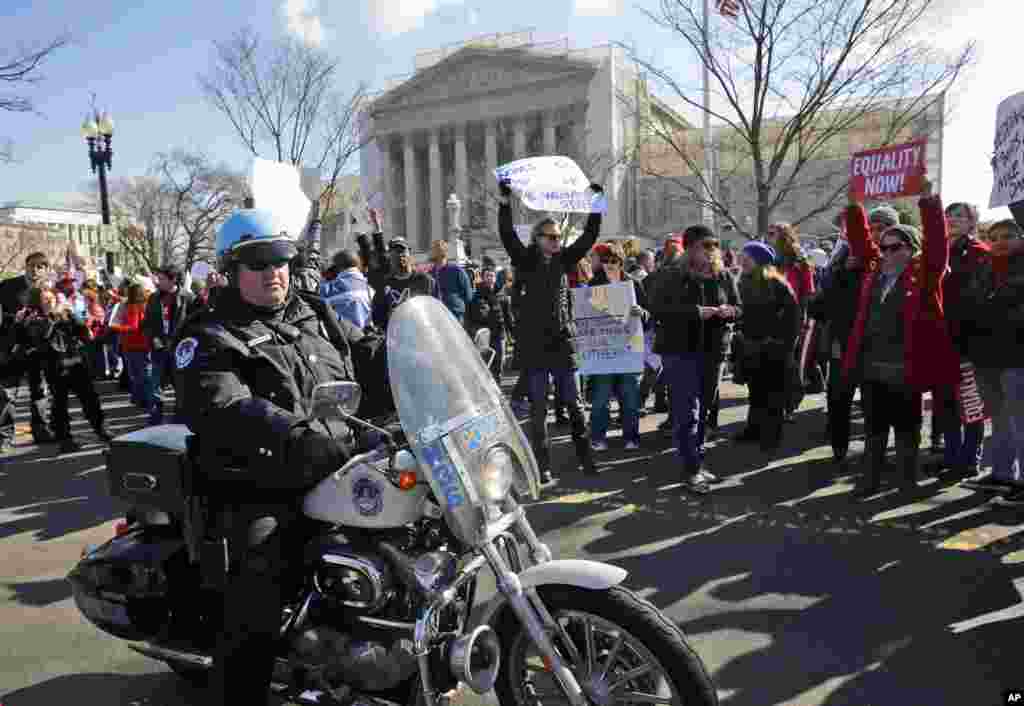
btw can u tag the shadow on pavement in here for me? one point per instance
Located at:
(163, 689)
(41, 593)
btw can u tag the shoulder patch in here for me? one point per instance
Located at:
(185, 352)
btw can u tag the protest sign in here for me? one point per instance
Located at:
(552, 184)
(608, 340)
(200, 271)
(897, 170)
(1007, 153)
(972, 407)
(276, 187)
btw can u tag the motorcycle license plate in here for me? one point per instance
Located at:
(104, 610)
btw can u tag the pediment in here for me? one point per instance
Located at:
(474, 71)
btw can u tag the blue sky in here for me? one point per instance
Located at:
(141, 59)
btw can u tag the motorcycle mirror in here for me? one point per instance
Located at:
(482, 339)
(488, 355)
(336, 400)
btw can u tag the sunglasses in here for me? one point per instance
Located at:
(710, 244)
(551, 236)
(893, 247)
(259, 264)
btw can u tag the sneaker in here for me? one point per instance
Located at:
(696, 484)
(632, 445)
(599, 445)
(546, 478)
(1011, 498)
(986, 481)
(708, 476)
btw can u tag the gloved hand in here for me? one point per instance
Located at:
(597, 188)
(505, 187)
(313, 456)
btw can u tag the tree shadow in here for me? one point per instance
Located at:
(41, 593)
(160, 689)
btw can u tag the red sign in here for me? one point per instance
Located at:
(897, 170)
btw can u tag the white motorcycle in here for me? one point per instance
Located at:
(385, 611)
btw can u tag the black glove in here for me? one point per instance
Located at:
(597, 188)
(505, 187)
(314, 456)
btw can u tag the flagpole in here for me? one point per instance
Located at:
(706, 210)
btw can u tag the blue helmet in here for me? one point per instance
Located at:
(251, 227)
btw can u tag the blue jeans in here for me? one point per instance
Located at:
(626, 387)
(684, 375)
(140, 372)
(1003, 392)
(567, 390)
(963, 442)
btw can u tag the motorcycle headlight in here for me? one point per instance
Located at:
(498, 469)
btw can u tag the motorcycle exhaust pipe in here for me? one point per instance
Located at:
(166, 653)
(475, 658)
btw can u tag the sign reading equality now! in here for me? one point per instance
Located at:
(897, 170)
(552, 184)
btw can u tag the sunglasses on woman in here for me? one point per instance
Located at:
(891, 247)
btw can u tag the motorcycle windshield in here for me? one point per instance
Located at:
(450, 406)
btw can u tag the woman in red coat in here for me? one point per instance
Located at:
(899, 345)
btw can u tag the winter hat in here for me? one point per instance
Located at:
(908, 234)
(886, 215)
(759, 252)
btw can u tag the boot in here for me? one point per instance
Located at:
(585, 455)
(543, 455)
(907, 454)
(41, 433)
(874, 459)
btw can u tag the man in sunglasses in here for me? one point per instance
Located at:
(247, 370)
(16, 363)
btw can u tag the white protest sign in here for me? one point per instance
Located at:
(523, 231)
(276, 187)
(200, 271)
(1008, 153)
(608, 340)
(552, 184)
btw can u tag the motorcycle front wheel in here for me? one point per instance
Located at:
(621, 648)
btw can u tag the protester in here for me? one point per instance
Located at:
(136, 347)
(490, 310)
(689, 295)
(403, 277)
(548, 347)
(672, 251)
(625, 386)
(454, 285)
(165, 314)
(799, 273)
(769, 330)
(95, 321)
(348, 292)
(58, 334)
(899, 344)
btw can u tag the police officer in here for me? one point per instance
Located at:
(246, 374)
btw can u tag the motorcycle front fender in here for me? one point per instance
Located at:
(581, 573)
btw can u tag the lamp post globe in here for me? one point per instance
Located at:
(98, 131)
(454, 207)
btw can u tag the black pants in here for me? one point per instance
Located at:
(840, 402)
(264, 543)
(888, 406)
(710, 397)
(566, 392)
(767, 382)
(62, 382)
(32, 369)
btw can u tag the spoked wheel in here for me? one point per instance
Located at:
(621, 648)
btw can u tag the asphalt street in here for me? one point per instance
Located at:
(792, 592)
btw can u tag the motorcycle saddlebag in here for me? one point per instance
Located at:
(150, 467)
(122, 586)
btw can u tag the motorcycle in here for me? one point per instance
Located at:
(385, 611)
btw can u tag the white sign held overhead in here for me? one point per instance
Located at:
(1008, 153)
(277, 187)
(552, 184)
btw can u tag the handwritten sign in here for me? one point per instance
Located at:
(552, 184)
(276, 186)
(1007, 153)
(897, 170)
(605, 343)
(972, 407)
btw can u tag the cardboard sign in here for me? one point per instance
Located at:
(276, 187)
(552, 184)
(897, 170)
(972, 407)
(1008, 151)
(608, 340)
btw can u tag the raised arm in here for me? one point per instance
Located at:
(515, 249)
(858, 235)
(936, 241)
(591, 231)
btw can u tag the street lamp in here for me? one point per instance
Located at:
(454, 207)
(98, 131)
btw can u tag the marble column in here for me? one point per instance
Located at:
(461, 172)
(491, 153)
(436, 197)
(548, 118)
(412, 207)
(387, 171)
(519, 138)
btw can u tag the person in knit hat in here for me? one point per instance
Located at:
(882, 217)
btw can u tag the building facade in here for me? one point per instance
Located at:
(471, 108)
(63, 225)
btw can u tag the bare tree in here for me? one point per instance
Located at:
(200, 195)
(142, 212)
(282, 101)
(18, 70)
(793, 77)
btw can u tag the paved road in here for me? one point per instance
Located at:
(791, 592)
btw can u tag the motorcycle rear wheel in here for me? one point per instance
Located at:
(624, 651)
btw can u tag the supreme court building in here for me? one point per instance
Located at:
(470, 108)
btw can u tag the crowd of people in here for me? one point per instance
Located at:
(888, 309)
